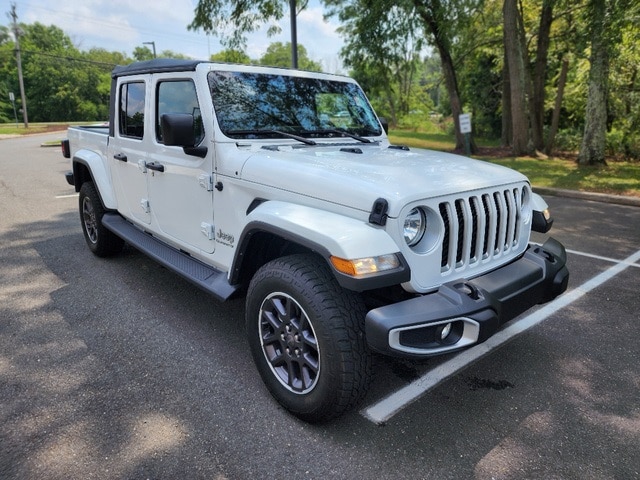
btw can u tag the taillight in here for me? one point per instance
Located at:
(66, 149)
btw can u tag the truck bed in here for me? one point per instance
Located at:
(89, 137)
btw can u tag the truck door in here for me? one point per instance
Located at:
(180, 185)
(127, 151)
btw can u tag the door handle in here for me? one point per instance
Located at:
(120, 156)
(158, 167)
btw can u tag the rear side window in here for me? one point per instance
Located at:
(178, 96)
(131, 110)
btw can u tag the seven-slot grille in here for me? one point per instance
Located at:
(480, 227)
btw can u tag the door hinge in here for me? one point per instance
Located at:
(208, 230)
(142, 165)
(206, 181)
(144, 203)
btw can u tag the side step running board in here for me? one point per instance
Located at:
(208, 278)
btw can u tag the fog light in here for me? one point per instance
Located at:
(446, 330)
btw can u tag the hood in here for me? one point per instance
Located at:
(337, 175)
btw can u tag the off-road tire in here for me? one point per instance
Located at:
(100, 240)
(306, 335)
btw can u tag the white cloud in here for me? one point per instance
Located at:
(123, 25)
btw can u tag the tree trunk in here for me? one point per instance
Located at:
(555, 121)
(392, 104)
(592, 149)
(430, 12)
(515, 59)
(540, 74)
(451, 83)
(507, 131)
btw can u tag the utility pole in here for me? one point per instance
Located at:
(294, 34)
(153, 44)
(16, 33)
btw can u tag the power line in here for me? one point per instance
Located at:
(73, 59)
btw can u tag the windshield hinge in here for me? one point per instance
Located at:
(379, 210)
(206, 181)
(208, 230)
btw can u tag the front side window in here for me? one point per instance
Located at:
(131, 110)
(252, 105)
(178, 97)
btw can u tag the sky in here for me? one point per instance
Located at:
(122, 25)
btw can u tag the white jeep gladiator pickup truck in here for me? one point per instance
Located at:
(282, 185)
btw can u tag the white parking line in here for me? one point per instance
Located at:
(386, 408)
(68, 196)
(606, 259)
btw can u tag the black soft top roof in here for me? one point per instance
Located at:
(157, 65)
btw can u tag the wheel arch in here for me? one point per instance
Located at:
(277, 229)
(260, 243)
(89, 166)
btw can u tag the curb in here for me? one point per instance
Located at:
(591, 196)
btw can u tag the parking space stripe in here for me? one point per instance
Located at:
(386, 408)
(606, 259)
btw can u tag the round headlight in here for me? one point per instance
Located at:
(415, 224)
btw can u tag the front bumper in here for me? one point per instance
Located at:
(466, 312)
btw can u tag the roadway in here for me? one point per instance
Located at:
(119, 369)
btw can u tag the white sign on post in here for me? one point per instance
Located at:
(465, 123)
(12, 96)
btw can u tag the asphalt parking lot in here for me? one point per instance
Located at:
(118, 369)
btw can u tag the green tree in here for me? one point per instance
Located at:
(382, 49)
(6, 83)
(624, 97)
(441, 19)
(141, 54)
(592, 150)
(52, 78)
(278, 54)
(4, 34)
(607, 20)
(232, 20)
(172, 54)
(61, 83)
(231, 55)
(435, 21)
(515, 65)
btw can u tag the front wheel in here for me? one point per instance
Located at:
(306, 335)
(100, 240)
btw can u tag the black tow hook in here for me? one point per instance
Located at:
(468, 289)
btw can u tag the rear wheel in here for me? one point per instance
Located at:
(100, 240)
(306, 335)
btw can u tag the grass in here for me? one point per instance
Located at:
(618, 177)
(13, 129)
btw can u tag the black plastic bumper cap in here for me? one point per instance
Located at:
(489, 301)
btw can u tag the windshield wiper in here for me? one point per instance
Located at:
(272, 132)
(343, 133)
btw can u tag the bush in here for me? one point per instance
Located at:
(568, 140)
(623, 144)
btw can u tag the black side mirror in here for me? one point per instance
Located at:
(178, 129)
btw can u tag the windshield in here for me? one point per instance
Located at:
(258, 105)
